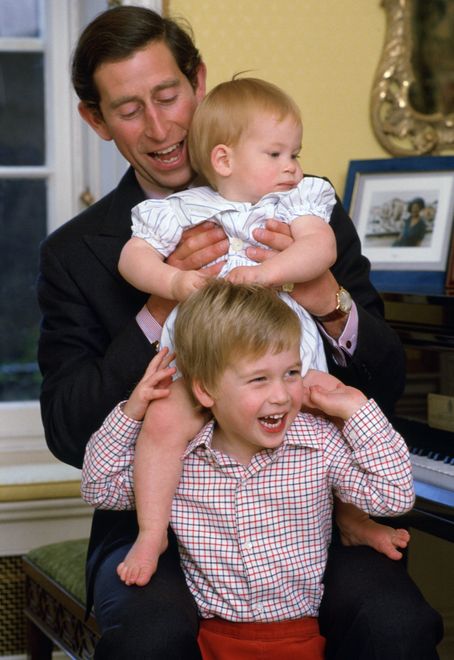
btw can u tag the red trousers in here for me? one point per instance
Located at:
(297, 639)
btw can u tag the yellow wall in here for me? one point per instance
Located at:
(323, 52)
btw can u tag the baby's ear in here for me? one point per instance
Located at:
(201, 394)
(221, 160)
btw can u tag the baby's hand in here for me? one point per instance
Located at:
(185, 282)
(247, 275)
(154, 384)
(342, 401)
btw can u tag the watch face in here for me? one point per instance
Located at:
(345, 300)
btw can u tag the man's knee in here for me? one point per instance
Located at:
(371, 603)
(389, 618)
(132, 640)
(156, 621)
(375, 633)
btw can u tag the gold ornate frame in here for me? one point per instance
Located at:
(400, 129)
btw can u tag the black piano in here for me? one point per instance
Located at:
(425, 413)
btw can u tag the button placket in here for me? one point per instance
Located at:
(236, 244)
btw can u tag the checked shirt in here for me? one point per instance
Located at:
(253, 539)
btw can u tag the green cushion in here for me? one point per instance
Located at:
(65, 563)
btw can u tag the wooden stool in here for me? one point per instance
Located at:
(55, 602)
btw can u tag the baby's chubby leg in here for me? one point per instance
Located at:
(168, 426)
(157, 470)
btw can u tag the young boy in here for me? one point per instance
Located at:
(252, 512)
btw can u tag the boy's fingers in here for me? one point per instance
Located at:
(162, 374)
(160, 393)
(161, 359)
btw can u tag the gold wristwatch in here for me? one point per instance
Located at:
(343, 307)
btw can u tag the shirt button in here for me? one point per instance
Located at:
(248, 545)
(348, 344)
(236, 244)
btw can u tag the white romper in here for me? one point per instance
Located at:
(160, 222)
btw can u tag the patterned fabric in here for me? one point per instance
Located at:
(253, 539)
(160, 222)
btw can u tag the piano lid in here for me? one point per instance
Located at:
(421, 318)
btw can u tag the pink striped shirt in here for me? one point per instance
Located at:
(254, 539)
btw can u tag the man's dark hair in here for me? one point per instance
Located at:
(117, 34)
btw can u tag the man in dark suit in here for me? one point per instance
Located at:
(139, 78)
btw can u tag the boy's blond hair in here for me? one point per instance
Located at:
(224, 322)
(225, 113)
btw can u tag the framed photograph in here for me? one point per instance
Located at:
(403, 210)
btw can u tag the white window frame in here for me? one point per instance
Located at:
(77, 160)
(20, 422)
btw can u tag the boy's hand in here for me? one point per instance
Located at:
(328, 394)
(175, 416)
(154, 384)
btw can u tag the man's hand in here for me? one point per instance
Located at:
(317, 296)
(276, 235)
(198, 247)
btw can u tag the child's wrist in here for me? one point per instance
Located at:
(175, 281)
(355, 407)
(132, 412)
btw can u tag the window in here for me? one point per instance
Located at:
(37, 187)
(23, 191)
(48, 159)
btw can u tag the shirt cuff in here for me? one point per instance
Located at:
(367, 421)
(344, 346)
(121, 428)
(148, 324)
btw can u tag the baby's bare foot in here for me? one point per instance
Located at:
(141, 561)
(383, 538)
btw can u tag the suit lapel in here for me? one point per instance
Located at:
(107, 249)
(115, 227)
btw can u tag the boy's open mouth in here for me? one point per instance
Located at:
(273, 422)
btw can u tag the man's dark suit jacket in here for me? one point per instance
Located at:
(92, 352)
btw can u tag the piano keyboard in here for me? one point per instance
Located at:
(433, 469)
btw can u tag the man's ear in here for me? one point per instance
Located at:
(202, 395)
(221, 160)
(200, 89)
(94, 119)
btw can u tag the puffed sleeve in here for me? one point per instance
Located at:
(312, 196)
(160, 222)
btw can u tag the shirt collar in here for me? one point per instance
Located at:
(302, 433)
(202, 439)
